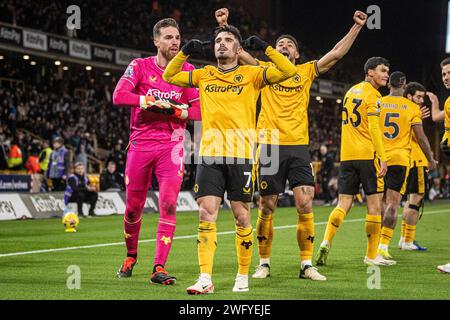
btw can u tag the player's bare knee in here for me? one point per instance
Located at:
(267, 208)
(390, 216)
(207, 214)
(304, 204)
(243, 220)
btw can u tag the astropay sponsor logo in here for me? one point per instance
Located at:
(43, 203)
(164, 95)
(58, 45)
(104, 54)
(34, 40)
(80, 49)
(12, 207)
(12, 35)
(109, 203)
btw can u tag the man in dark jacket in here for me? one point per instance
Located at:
(78, 190)
(110, 179)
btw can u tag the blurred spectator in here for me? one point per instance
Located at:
(32, 164)
(33, 168)
(435, 190)
(326, 168)
(81, 156)
(58, 167)
(44, 156)
(118, 156)
(15, 159)
(79, 191)
(110, 179)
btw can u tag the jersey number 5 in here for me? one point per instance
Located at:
(388, 123)
(357, 121)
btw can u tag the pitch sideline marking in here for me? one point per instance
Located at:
(174, 238)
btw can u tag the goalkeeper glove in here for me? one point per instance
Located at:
(255, 44)
(445, 148)
(164, 106)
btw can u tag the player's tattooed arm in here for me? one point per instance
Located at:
(343, 46)
(436, 113)
(424, 145)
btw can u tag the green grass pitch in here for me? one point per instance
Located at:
(44, 275)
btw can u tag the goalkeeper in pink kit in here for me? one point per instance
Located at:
(158, 109)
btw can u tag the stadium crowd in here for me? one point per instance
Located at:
(131, 28)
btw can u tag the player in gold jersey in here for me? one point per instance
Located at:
(228, 96)
(417, 180)
(283, 134)
(363, 159)
(444, 115)
(400, 118)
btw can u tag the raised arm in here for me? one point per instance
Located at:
(173, 73)
(283, 68)
(343, 46)
(436, 113)
(245, 58)
(424, 145)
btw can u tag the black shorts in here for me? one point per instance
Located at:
(237, 179)
(417, 181)
(395, 178)
(293, 163)
(353, 173)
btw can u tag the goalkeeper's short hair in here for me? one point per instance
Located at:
(164, 23)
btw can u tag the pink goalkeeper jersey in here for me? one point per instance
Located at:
(146, 127)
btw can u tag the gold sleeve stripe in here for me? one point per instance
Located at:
(447, 129)
(265, 76)
(376, 114)
(316, 67)
(190, 79)
(416, 124)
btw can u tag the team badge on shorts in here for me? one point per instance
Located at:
(196, 188)
(264, 185)
(127, 180)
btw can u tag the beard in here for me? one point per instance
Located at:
(168, 54)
